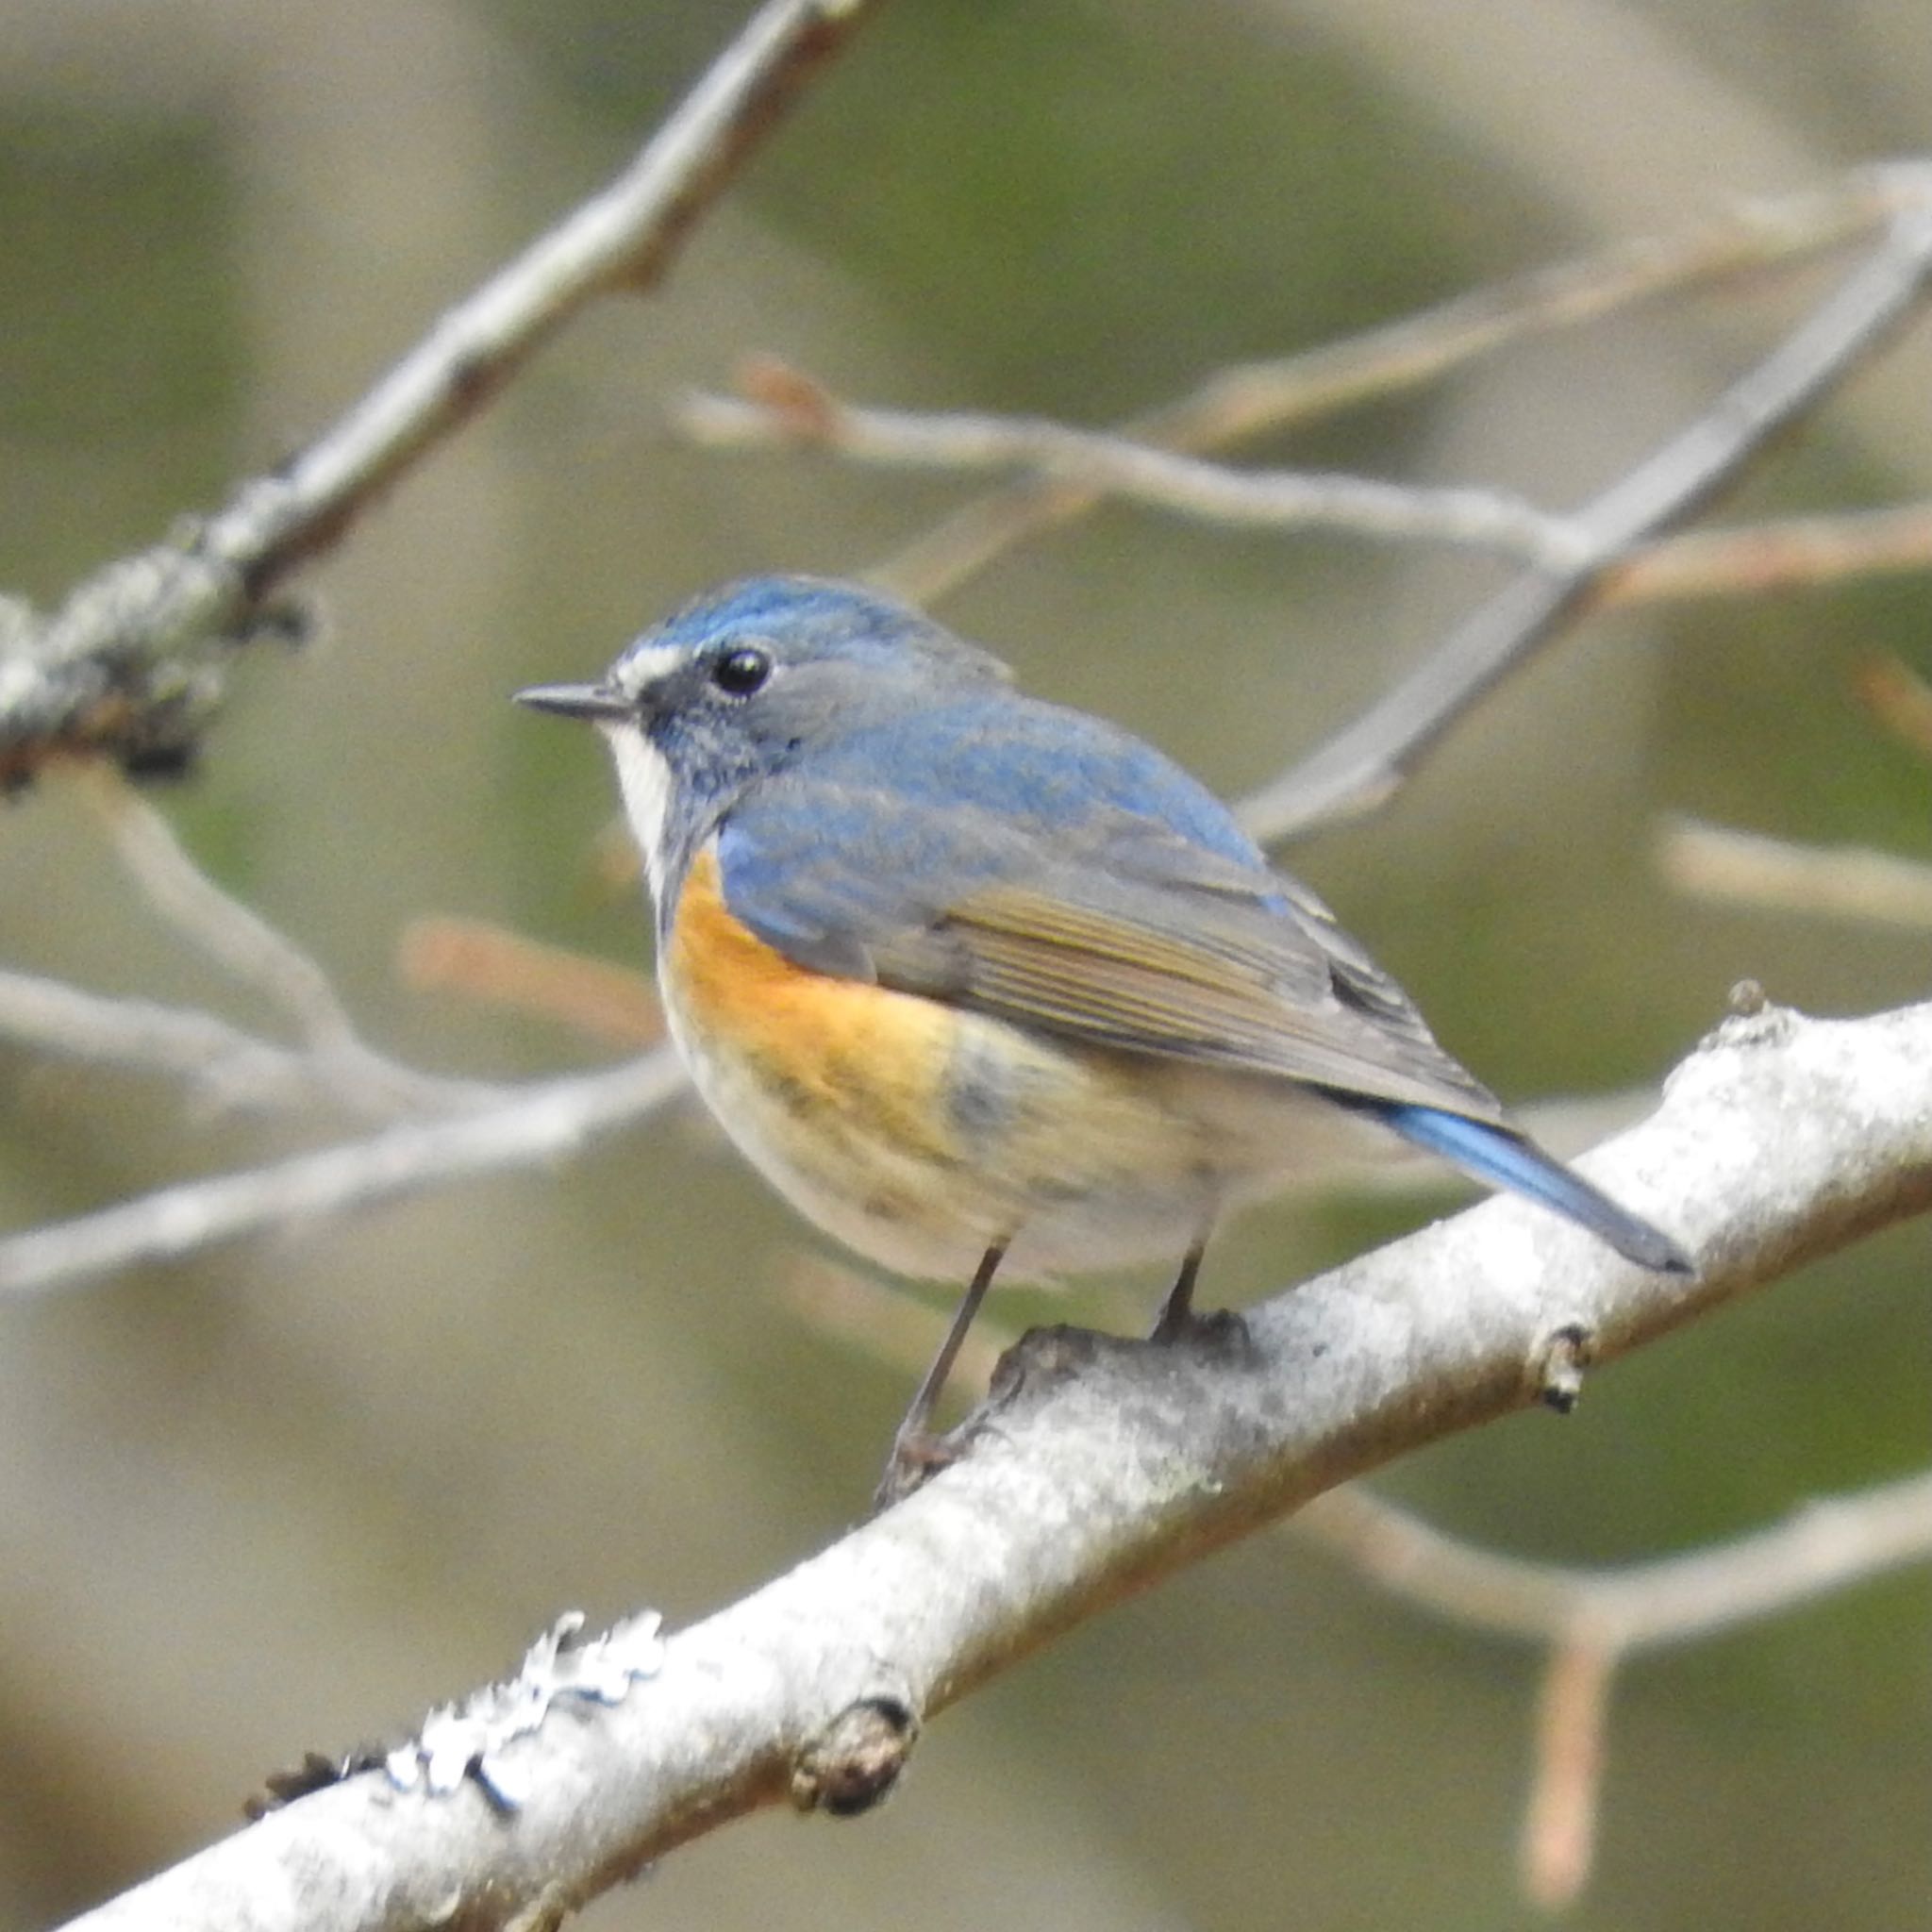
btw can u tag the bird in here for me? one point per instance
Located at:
(987, 985)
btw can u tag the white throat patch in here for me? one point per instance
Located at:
(644, 777)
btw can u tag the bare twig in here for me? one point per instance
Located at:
(1558, 1841)
(1824, 1547)
(1363, 763)
(534, 1123)
(130, 667)
(1828, 881)
(1795, 553)
(481, 961)
(230, 1066)
(1238, 402)
(1901, 700)
(1579, 559)
(782, 408)
(1111, 1466)
(1591, 1620)
(237, 939)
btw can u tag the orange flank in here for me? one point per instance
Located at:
(838, 1054)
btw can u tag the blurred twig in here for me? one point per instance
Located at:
(1364, 762)
(237, 939)
(231, 1067)
(537, 1122)
(1795, 553)
(1243, 402)
(1837, 882)
(481, 961)
(1901, 700)
(1592, 1618)
(781, 408)
(131, 666)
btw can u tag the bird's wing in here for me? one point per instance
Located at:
(1123, 931)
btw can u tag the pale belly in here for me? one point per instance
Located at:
(1076, 1160)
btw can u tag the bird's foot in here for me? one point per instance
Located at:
(918, 1455)
(1217, 1327)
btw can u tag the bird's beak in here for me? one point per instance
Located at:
(594, 703)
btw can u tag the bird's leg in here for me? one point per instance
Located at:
(916, 1450)
(1177, 1317)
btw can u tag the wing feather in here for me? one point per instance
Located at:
(1138, 931)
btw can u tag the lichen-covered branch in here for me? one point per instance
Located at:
(1112, 1464)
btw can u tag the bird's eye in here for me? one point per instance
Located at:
(739, 673)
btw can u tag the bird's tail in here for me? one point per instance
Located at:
(1506, 1158)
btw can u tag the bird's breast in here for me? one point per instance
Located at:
(920, 1134)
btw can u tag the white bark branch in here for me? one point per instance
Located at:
(1100, 1468)
(131, 666)
(539, 1121)
(792, 411)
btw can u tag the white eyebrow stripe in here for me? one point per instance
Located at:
(639, 668)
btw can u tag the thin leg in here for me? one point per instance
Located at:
(915, 1449)
(1176, 1315)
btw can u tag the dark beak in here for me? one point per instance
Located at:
(594, 703)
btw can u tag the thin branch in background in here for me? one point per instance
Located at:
(539, 1121)
(1365, 762)
(1593, 1619)
(480, 961)
(130, 667)
(1243, 402)
(228, 1067)
(1901, 700)
(1791, 554)
(238, 940)
(1821, 881)
(1557, 1844)
(781, 408)
(1827, 1545)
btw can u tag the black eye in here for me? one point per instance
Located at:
(739, 673)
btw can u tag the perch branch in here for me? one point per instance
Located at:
(1101, 1468)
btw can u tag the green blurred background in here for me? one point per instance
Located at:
(286, 1495)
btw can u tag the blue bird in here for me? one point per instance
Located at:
(984, 984)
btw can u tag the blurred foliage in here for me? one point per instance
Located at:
(285, 1495)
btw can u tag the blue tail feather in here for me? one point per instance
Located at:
(1506, 1158)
